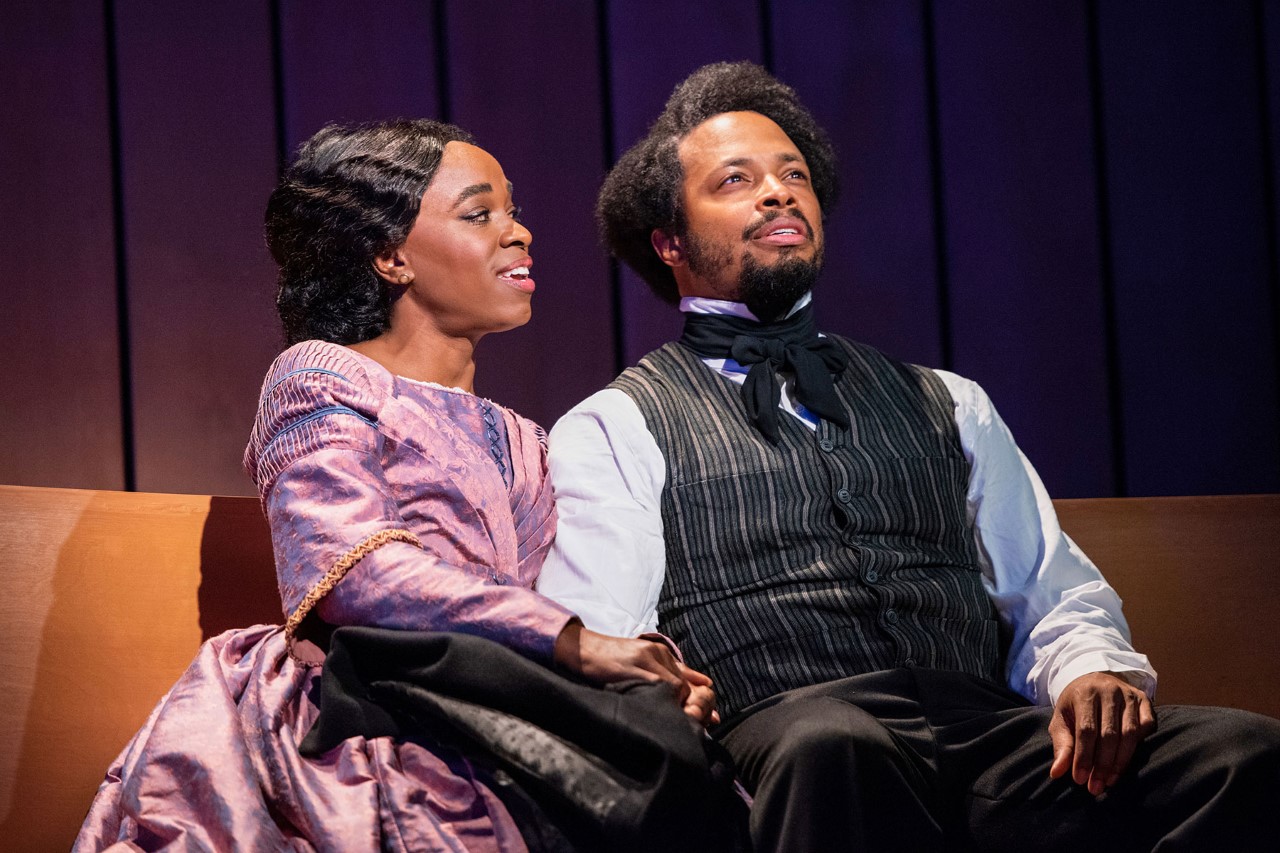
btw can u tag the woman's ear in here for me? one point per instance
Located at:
(668, 247)
(393, 267)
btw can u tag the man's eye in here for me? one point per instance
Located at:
(796, 173)
(732, 179)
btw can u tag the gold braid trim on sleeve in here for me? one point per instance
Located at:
(339, 570)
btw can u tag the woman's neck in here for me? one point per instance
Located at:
(424, 356)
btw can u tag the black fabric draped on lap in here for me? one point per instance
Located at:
(619, 768)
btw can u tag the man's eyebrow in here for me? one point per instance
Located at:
(473, 190)
(781, 157)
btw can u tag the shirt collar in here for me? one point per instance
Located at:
(705, 305)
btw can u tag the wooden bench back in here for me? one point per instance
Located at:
(1200, 578)
(105, 597)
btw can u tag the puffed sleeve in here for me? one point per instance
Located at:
(343, 550)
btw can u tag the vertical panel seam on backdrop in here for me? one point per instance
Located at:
(278, 86)
(440, 24)
(937, 185)
(1268, 181)
(766, 34)
(1106, 261)
(124, 347)
(604, 58)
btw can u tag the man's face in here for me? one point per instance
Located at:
(752, 222)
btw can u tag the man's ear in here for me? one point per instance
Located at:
(393, 267)
(668, 247)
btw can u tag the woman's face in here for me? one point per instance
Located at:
(467, 252)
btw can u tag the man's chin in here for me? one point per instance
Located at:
(767, 255)
(771, 289)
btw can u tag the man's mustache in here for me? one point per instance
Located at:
(750, 231)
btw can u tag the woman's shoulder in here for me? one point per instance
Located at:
(325, 366)
(319, 394)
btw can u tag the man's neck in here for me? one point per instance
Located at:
(706, 305)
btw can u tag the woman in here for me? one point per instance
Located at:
(397, 499)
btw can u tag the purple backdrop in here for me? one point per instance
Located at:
(1075, 206)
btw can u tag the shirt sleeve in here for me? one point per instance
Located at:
(608, 560)
(1065, 619)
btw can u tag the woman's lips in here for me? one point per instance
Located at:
(517, 276)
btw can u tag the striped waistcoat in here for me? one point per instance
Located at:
(832, 554)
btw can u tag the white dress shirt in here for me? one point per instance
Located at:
(608, 561)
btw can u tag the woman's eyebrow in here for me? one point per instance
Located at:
(473, 190)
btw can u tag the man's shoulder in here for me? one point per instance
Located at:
(662, 364)
(868, 351)
(873, 356)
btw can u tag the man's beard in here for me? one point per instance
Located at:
(768, 291)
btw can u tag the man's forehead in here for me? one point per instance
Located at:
(736, 138)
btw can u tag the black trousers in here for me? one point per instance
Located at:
(920, 760)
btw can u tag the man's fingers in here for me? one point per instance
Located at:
(1100, 718)
(1146, 716)
(1086, 733)
(1063, 744)
(701, 705)
(1130, 736)
(1111, 713)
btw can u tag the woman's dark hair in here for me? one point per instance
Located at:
(642, 191)
(351, 195)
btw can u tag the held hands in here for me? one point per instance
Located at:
(1097, 724)
(602, 659)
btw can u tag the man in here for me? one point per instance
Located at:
(908, 652)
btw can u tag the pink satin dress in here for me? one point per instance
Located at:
(387, 508)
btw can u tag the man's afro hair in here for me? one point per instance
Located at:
(642, 191)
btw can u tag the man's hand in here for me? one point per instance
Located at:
(1097, 724)
(701, 704)
(602, 659)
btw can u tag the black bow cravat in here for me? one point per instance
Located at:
(792, 344)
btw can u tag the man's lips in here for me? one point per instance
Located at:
(783, 231)
(517, 275)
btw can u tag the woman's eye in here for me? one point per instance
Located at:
(516, 213)
(478, 216)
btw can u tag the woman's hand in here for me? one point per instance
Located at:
(602, 659)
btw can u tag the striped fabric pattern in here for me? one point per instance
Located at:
(290, 425)
(831, 554)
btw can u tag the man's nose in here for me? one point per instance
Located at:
(774, 193)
